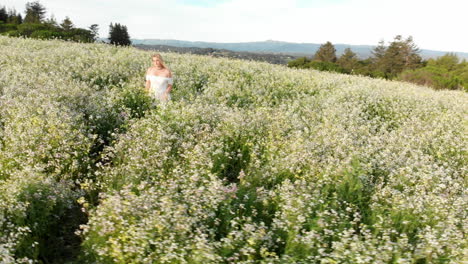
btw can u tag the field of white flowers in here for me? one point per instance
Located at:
(249, 163)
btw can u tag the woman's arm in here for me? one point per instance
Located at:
(169, 86)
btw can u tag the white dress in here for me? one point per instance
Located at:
(159, 86)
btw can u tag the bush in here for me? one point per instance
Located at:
(434, 77)
(26, 29)
(45, 34)
(325, 66)
(7, 27)
(301, 63)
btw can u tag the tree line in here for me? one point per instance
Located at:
(399, 60)
(36, 25)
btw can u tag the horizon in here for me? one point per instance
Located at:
(357, 22)
(270, 40)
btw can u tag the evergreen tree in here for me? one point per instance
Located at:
(67, 24)
(52, 22)
(14, 18)
(94, 28)
(18, 19)
(35, 12)
(379, 51)
(410, 54)
(393, 61)
(3, 15)
(118, 35)
(348, 61)
(377, 56)
(326, 53)
(400, 55)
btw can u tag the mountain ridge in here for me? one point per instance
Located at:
(283, 47)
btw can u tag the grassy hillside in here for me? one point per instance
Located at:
(249, 163)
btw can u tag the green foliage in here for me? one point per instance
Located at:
(118, 35)
(67, 24)
(325, 66)
(94, 28)
(233, 157)
(26, 29)
(12, 33)
(432, 76)
(442, 73)
(397, 57)
(45, 34)
(36, 26)
(3, 15)
(326, 53)
(35, 12)
(400, 61)
(301, 63)
(37, 216)
(7, 27)
(449, 61)
(133, 100)
(378, 54)
(78, 35)
(364, 67)
(348, 61)
(14, 18)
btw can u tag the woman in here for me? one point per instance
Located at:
(159, 79)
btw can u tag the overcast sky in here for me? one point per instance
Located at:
(436, 25)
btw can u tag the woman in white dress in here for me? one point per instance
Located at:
(159, 80)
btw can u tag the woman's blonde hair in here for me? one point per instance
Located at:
(157, 55)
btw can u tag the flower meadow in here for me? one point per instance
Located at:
(248, 163)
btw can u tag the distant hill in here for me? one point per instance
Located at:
(274, 58)
(286, 48)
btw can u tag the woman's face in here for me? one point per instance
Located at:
(157, 62)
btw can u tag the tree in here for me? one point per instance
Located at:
(326, 52)
(52, 21)
(410, 54)
(14, 18)
(67, 24)
(3, 15)
(400, 55)
(81, 35)
(35, 12)
(348, 61)
(378, 54)
(300, 63)
(449, 61)
(94, 28)
(118, 35)
(379, 51)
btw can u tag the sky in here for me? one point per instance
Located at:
(433, 24)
